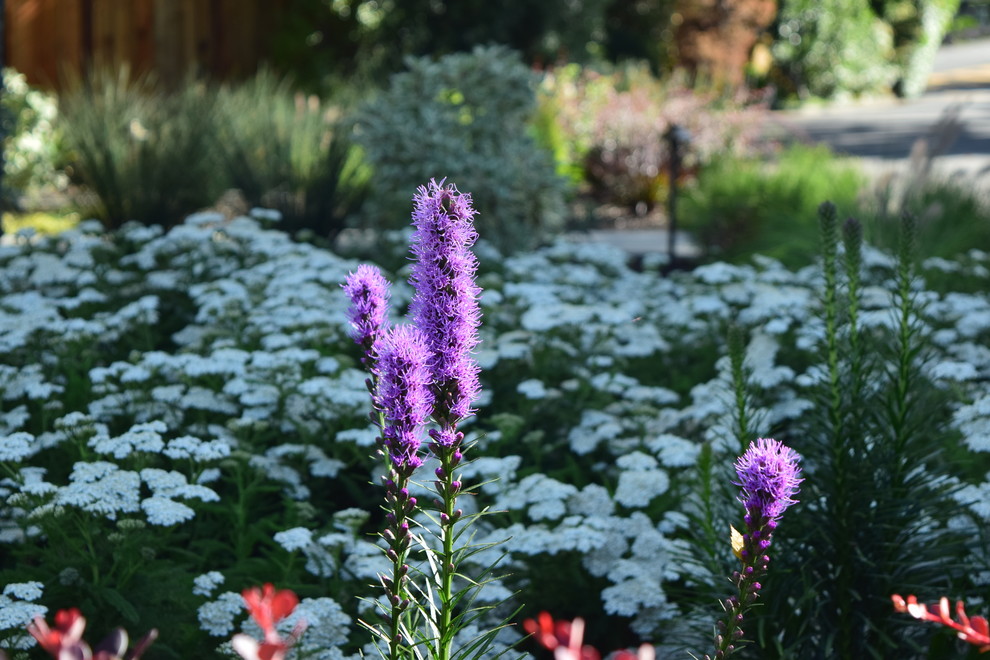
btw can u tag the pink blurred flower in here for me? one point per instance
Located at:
(973, 630)
(565, 639)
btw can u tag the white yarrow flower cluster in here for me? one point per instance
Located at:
(206, 584)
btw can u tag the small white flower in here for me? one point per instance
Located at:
(640, 481)
(205, 584)
(188, 446)
(166, 512)
(216, 617)
(294, 539)
(102, 488)
(24, 590)
(674, 451)
(361, 437)
(16, 447)
(141, 437)
(532, 388)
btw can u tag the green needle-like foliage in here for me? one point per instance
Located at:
(877, 499)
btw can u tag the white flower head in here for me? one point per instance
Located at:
(17, 446)
(532, 388)
(294, 539)
(216, 617)
(166, 512)
(24, 590)
(640, 481)
(205, 584)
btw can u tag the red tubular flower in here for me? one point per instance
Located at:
(973, 630)
(267, 607)
(66, 641)
(69, 626)
(546, 632)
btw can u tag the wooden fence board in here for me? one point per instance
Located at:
(221, 38)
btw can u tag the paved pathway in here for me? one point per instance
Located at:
(883, 132)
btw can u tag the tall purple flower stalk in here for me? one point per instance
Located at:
(418, 371)
(368, 291)
(445, 303)
(769, 478)
(404, 400)
(445, 307)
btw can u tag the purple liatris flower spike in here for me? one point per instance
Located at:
(368, 291)
(445, 303)
(403, 393)
(769, 477)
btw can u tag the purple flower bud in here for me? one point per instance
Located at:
(368, 291)
(445, 303)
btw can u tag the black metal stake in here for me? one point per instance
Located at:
(676, 136)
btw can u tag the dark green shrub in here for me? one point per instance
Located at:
(742, 206)
(146, 155)
(465, 116)
(290, 152)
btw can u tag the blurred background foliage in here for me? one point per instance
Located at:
(878, 46)
(553, 114)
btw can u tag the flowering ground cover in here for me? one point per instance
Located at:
(185, 415)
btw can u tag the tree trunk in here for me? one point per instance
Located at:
(714, 37)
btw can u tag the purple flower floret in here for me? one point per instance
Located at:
(368, 291)
(445, 303)
(769, 477)
(403, 393)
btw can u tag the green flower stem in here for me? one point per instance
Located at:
(396, 534)
(447, 488)
(728, 632)
(398, 506)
